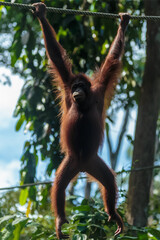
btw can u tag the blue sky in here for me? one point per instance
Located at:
(11, 142)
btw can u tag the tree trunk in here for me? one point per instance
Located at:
(145, 135)
(88, 190)
(114, 154)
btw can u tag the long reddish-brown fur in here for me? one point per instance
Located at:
(82, 124)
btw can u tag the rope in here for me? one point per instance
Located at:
(78, 12)
(138, 169)
(50, 182)
(26, 185)
(23, 6)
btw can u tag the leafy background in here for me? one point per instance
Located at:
(26, 214)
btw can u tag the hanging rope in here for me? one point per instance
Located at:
(50, 182)
(78, 12)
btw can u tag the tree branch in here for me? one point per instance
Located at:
(123, 130)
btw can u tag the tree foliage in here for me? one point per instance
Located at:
(87, 221)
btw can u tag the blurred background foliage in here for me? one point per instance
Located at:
(87, 41)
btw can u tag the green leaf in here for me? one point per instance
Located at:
(107, 128)
(83, 208)
(80, 237)
(26, 145)
(155, 233)
(130, 139)
(23, 196)
(32, 193)
(20, 221)
(13, 59)
(6, 218)
(20, 122)
(78, 215)
(128, 237)
(17, 232)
